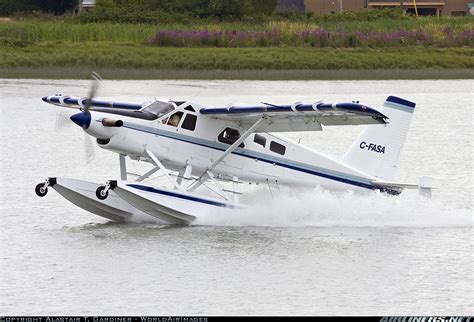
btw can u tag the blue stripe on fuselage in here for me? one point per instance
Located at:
(293, 165)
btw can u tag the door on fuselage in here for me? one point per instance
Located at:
(186, 148)
(228, 136)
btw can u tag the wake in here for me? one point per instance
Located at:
(322, 208)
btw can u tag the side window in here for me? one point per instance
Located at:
(174, 119)
(189, 122)
(277, 148)
(229, 136)
(190, 108)
(260, 139)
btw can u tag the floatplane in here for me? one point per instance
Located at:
(223, 147)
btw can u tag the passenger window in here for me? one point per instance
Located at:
(174, 119)
(277, 148)
(229, 136)
(189, 122)
(260, 139)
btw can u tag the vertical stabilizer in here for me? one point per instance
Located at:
(377, 150)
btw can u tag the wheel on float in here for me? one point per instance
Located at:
(101, 193)
(41, 190)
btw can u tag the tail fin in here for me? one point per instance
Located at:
(378, 149)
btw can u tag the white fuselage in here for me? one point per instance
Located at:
(261, 159)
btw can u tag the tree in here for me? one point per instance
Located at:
(9, 7)
(57, 7)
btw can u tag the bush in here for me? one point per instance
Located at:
(309, 38)
(124, 15)
(10, 7)
(57, 7)
(156, 11)
(363, 15)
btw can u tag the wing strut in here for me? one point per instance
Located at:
(230, 149)
(147, 174)
(123, 167)
(162, 168)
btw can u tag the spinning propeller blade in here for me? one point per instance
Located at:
(96, 79)
(89, 148)
(63, 124)
(62, 120)
(83, 119)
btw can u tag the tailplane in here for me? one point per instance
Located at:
(377, 150)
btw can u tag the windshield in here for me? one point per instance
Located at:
(159, 108)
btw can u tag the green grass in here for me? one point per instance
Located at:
(31, 31)
(109, 54)
(70, 31)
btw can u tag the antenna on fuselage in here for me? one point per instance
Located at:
(269, 104)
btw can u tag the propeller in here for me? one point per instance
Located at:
(96, 79)
(90, 148)
(63, 123)
(83, 119)
(63, 120)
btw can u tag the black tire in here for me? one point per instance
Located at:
(99, 193)
(40, 190)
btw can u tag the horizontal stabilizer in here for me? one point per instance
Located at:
(425, 185)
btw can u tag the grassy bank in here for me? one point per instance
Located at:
(428, 47)
(109, 54)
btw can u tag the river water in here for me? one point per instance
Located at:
(313, 253)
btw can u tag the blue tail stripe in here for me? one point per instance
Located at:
(401, 101)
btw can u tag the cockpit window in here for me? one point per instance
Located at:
(174, 119)
(229, 136)
(189, 122)
(159, 108)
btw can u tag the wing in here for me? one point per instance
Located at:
(77, 103)
(299, 116)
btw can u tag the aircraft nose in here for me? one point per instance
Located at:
(82, 119)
